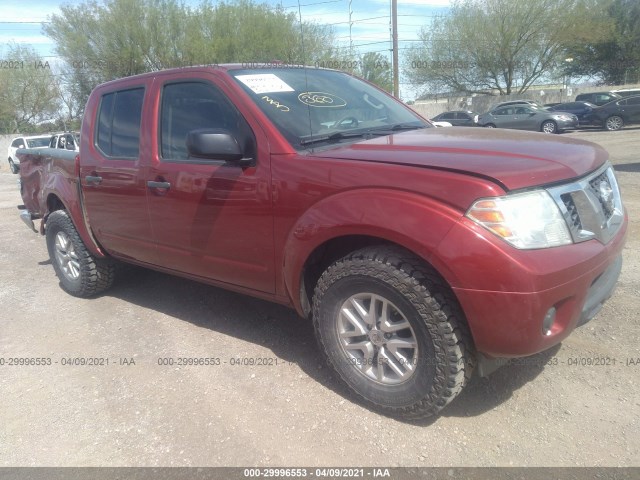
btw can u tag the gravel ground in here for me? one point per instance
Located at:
(549, 410)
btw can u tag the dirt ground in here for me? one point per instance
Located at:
(576, 405)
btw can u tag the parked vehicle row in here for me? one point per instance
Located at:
(528, 117)
(612, 115)
(64, 141)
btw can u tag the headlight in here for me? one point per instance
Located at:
(562, 117)
(525, 220)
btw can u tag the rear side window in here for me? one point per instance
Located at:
(119, 119)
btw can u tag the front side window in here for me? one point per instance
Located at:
(17, 142)
(504, 111)
(192, 106)
(119, 118)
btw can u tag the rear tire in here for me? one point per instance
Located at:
(613, 123)
(393, 331)
(80, 273)
(14, 168)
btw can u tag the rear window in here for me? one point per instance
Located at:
(37, 142)
(119, 118)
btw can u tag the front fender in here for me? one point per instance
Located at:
(415, 222)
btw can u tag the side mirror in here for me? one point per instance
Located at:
(214, 144)
(20, 146)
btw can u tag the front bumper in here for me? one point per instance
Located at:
(567, 124)
(506, 293)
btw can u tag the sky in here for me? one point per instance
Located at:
(20, 22)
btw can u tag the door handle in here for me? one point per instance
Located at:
(93, 179)
(163, 185)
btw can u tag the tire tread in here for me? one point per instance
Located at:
(96, 275)
(436, 305)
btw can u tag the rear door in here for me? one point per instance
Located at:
(210, 218)
(462, 120)
(632, 108)
(504, 117)
(113, 175)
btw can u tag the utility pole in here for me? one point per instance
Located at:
(394, 33)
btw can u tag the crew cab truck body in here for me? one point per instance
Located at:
(420, 253)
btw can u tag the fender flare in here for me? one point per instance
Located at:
(68, 192)
(410, 220)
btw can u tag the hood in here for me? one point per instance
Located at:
(511, 158)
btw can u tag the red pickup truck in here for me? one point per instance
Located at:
(420, 253)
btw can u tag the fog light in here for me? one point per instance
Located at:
(547, 323)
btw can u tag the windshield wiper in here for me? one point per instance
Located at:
(403, 126)
(333, 136)
(361, 134)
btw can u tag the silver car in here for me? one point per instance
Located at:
(528, 117)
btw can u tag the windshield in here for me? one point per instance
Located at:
(37, 142)
(312, 106)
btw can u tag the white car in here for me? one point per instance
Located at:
(36, 141)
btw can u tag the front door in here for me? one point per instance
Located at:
(210, 218)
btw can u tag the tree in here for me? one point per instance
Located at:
(375, 68)
(615, 59)
(117, 38)
(28, 92)
(503, 45)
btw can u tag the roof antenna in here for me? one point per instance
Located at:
(304, 66)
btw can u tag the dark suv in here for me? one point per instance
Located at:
(598, 98)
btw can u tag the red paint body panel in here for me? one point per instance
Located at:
(516, 159)
(48, 173)
(253, 228)
(505, 293)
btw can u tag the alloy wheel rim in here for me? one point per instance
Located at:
(66, 256)
(549, 127)
(377, 339)
(614, 123)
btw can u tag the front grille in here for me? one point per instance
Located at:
(602, 189)
(592, 206)
(572, 210)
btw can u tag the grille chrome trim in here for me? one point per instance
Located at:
(591, 206)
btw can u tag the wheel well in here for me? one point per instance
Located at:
(326, 254)
(54, 203)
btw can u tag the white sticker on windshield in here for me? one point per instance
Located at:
(264, 83)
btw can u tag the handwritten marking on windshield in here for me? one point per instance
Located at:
(275, 103)
(321, 99)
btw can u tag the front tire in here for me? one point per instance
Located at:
(489, 125)
(80, 273)
(613, 123)
(392, 330)
(549, 126)
(14, 168)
